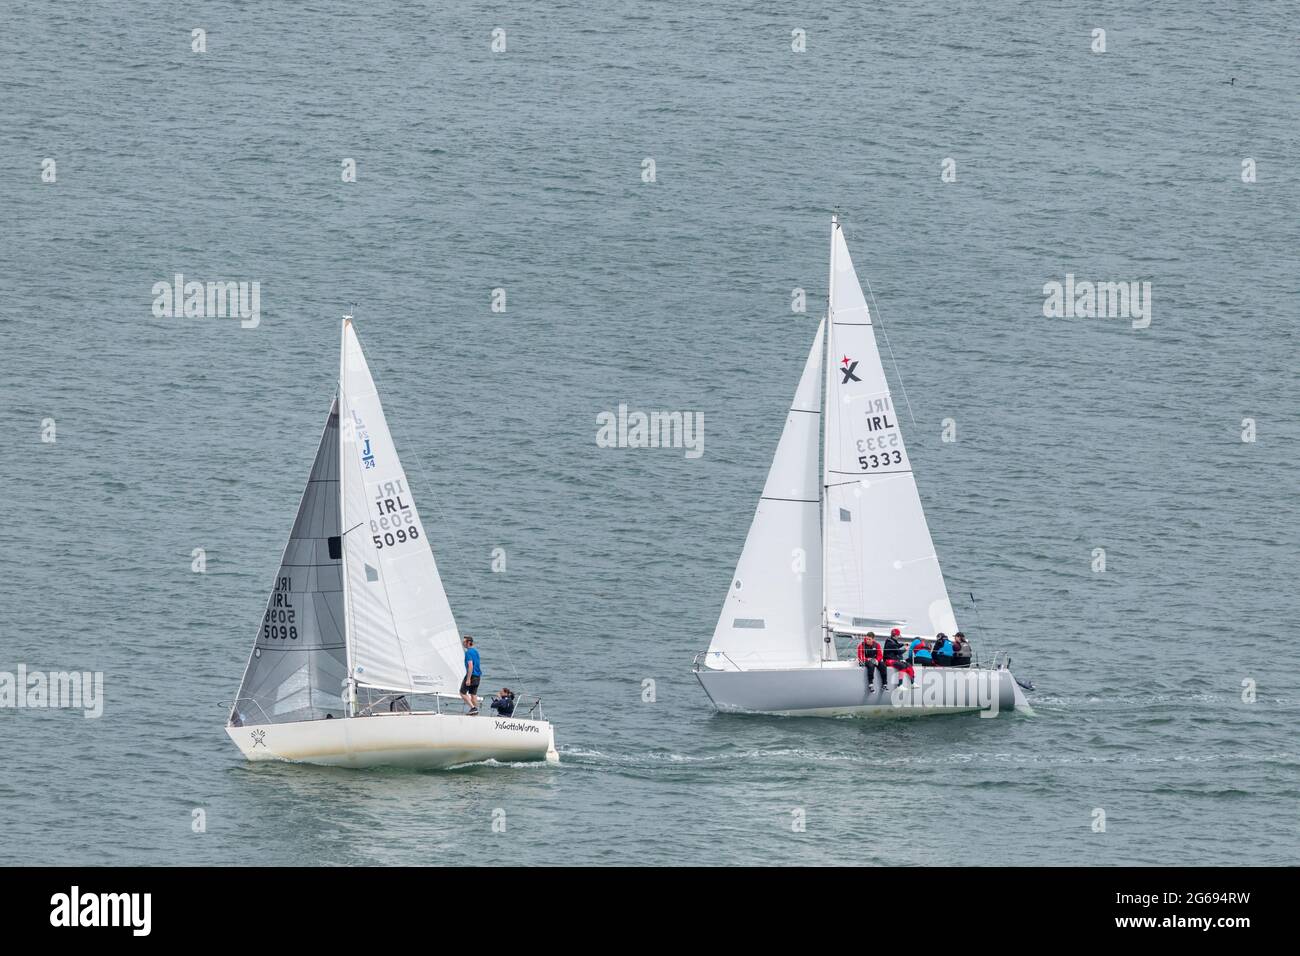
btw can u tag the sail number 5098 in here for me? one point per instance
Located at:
(278, 623)
(390, 538)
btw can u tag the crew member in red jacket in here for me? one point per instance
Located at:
(870, 657)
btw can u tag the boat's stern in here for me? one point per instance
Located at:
(552, 755)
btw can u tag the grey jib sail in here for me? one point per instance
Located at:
(299, 661)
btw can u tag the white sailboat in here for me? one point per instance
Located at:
(862, 561)
(358, 626)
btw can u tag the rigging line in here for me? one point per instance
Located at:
(897, 374)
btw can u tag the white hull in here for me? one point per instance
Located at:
(839, 689)
(421, 741)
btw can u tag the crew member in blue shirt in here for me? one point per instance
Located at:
(473, 674)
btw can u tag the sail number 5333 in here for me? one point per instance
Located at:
(881, 460)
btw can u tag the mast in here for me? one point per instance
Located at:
(828, 638)
(349, 686)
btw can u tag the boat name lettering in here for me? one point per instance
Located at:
(514, 725)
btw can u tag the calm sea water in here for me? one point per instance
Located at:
(522, 170)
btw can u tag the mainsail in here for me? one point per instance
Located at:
(772, 614)
(881, 566)
(298, 664)
(401, 632)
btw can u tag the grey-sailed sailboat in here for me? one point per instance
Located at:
(358, 659)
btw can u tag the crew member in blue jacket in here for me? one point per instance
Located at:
(920, 653)
(942, 651)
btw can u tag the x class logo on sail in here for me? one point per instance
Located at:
(850, 366)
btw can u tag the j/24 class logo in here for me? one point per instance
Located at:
(363, 439)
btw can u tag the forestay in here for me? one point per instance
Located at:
(881, 563)
(402, 633)
(772, 614)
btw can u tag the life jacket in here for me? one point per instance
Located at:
(943, 648)
(866, 653)
(919, 651)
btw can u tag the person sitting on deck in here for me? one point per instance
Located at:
(942, 650)
(504, 703)
(871, 657)
(895, 655)
(961, 650)
(919, 651)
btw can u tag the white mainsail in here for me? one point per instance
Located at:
(401, 632)
(881, 566)
(772, 614)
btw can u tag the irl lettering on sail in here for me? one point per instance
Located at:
(208, 300)
(1086, 299)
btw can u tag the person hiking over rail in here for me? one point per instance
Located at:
(919, 652)
(961, 653)
(943, 650)
(895, 655)
(871, 657)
